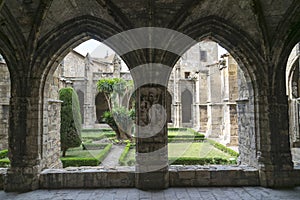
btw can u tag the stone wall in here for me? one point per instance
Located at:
(51, 123)
(4, 104)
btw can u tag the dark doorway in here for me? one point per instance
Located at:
(186, 101)
(101, 106)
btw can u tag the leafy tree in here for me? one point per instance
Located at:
(118, 117)
(70, 131)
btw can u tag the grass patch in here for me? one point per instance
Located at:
(184, 135)
(77, 157)
(196, 150)
(223, 148)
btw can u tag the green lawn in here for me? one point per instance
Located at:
(199, 150)
(188, 150)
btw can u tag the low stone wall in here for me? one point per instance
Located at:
(87, 177)
(122, 177)
(197, 176)
(180, 176)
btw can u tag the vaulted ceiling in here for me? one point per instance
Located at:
(265, 22)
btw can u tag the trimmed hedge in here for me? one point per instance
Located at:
(101, 136)
(93, 146)
(177, 129)
(96, 130)
(4, 162)
(200, 161)
(122, 159)
(223, 148)
(92, 161)
(3, 153)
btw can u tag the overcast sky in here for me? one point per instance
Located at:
(102, 50)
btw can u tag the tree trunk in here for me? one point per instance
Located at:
(64, 153)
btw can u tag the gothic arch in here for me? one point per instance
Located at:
(249, 57)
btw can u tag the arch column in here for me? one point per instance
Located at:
(152, 168)
(24, 144)
(274, 156)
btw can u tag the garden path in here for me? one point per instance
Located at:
(112, 159)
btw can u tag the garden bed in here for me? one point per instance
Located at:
(92, 156)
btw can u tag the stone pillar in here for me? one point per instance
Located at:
(203, 118)
(215, 117)
(152, 139)
(177, 95)
(24, 145)
(215, 107)
(196, 109)
(233, 125)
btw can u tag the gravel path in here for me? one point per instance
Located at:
(112, 159)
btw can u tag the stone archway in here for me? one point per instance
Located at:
(293, 91)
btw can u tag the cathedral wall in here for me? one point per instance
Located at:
(74, 65)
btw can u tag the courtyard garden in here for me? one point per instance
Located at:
(185, 147)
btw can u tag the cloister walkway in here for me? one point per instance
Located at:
(209, 193)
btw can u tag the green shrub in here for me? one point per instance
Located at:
(223, 148)
(93, 146)
(3, 153)
(70, 131)
(118, 118)
(199, 161)
(87, 161)
(76, 162)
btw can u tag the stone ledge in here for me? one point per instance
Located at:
(183, 176)
(87, 177)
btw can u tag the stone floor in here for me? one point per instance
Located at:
(208, 193)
